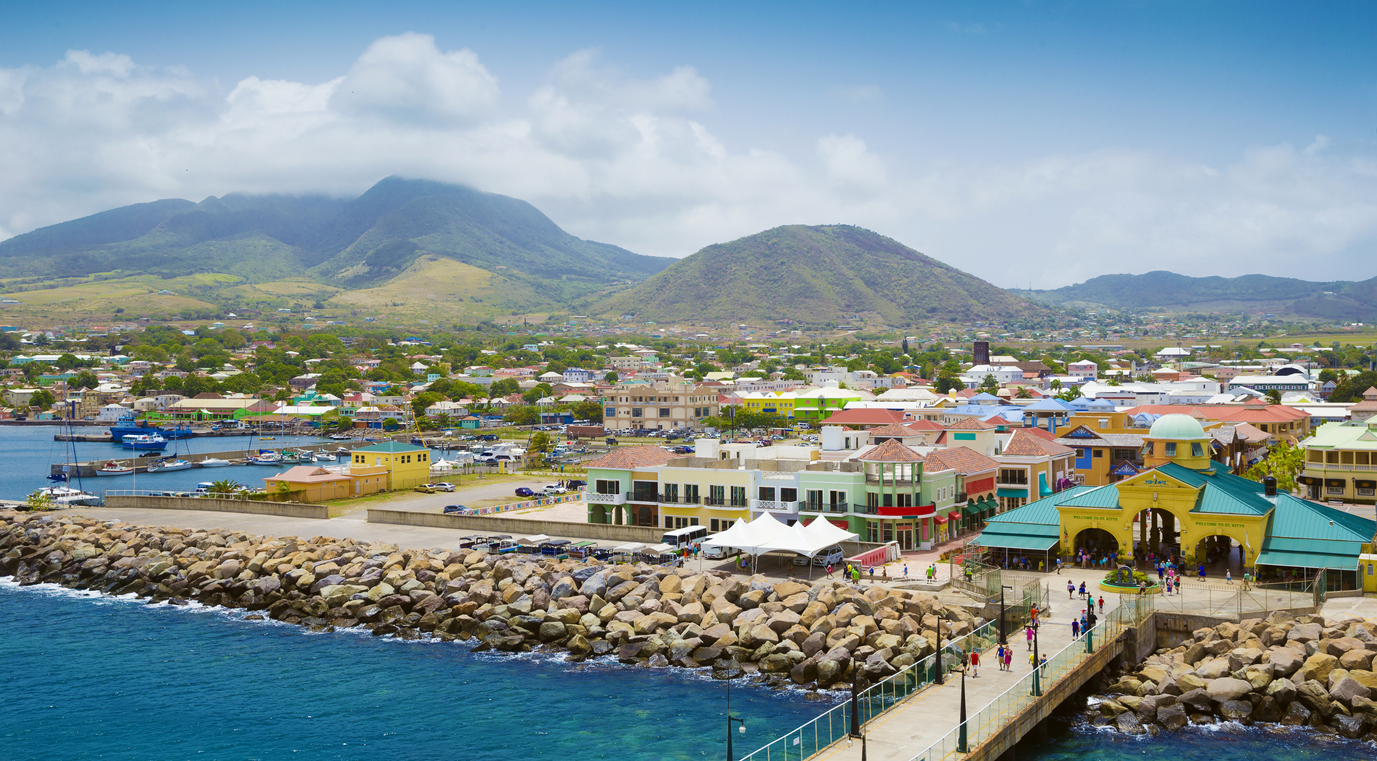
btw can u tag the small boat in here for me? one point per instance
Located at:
(113, 468)
(168, 465)
(265, 457)
(67, 496)
(145, 442)
(214, 462)
(341, 436)
(293, 458)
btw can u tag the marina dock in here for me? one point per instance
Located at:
(237, 457)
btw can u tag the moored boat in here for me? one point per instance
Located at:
(165, 465)
(214, 462)
(265, 457)
(114, 468)
(65, 495)
(145, 442)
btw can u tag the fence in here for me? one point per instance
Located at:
(990, 719)
(977, 578)
(835, 724)
(1209, 600)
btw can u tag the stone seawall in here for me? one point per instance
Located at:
(252, 507)
(1297, 670)
(822, 635)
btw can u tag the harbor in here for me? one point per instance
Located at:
(91, 468)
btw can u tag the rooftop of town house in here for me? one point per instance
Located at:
(963, 460)
(630, 458)
(890, 450)
(1026, 443)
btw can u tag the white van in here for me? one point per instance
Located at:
(720, 553)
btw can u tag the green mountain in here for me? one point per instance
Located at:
(356, 243)
(1257, 294)
(813, 275)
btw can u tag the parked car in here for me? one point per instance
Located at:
(456, 509)
(611, 442)
(554, 489)
(427, 488)
(524, 491)
(575, 483)
(444, 486)
(720, 553)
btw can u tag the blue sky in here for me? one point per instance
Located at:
(1030, 143)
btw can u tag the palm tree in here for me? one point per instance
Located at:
(223, 486)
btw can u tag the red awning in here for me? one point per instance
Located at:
(941, 519)
(954, 515)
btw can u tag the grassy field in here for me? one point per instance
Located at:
(443, 289)
(98, 300)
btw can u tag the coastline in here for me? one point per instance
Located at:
(1283, 670)
(817, 637)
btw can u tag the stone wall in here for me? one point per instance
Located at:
(518, 527)
(252, 507)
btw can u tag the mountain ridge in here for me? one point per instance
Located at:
(812, 275)
(1160, 289)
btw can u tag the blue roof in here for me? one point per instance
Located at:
(985, 397)
(1082, 403)
(1049, 405)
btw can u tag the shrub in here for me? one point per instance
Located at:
(1138, 577)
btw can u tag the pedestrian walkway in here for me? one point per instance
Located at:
(929, 715)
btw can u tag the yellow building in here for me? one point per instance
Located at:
(311, 483)
(1191, 508)
(404, 466)
(770, 402)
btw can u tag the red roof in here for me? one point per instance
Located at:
(891, 450)
(1226, 413)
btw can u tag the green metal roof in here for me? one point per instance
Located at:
(1353, 436)
(1106, 497)
(392, 446)
(1016, 542)
(1225, 493)
(1040, 513)
(1301, 519)
(1307, 560)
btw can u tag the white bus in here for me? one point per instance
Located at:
(687, 536)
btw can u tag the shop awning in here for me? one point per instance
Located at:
(1334, 482)
(954, 514)
(1025, 542)
(1308, 560)
(974, 509)
(1009, 491)
(1308, 480)
(941, 518)
(1361, 484)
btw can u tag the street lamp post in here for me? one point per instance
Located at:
(937, 676)
(1037, 665)
(856, 715)
(962, 745)
(730, 720)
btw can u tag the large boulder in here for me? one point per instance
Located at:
(1197, 699)
(1227, 688)
(1285, 661)
(1347, 690)
(1356, 660)
(1172, 717)
(1236, 710)
(1304, 633)
(1317, 668)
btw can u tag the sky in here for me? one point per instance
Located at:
(1034, 144)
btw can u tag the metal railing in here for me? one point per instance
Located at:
(1236, 602)
(835, 724)
(824, 507)
(990, 719)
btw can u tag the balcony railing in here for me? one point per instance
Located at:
(888, 481)
(669, 499)
(777, 505)
(604, 499)
(645, 496)
(824, 507)
(715, 501)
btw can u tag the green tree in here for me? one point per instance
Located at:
(611, 378)
(590, 411)
(84, 379)
(1284, 462)
(989, 385)
(504, 387)
(521, 414)
(1350, 389)
(946, 384)
(540, 443)
(223, 486)
(42, 399)
(1273, 396)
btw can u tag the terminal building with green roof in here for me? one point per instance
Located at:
(1187, 506)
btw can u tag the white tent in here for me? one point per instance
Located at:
(751, 538)
(828, 532)
(629, 547)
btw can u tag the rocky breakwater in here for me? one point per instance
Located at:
(823, 635)
(1287, 670)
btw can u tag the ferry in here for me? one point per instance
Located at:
(145, 442)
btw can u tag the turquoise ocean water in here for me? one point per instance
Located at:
(89, 677)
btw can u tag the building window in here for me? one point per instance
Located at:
(669, 522)
(1171, 449)
(712, 525)
(1099, 453)
(788, 495)
(717, 496)
(1013, 476)
(664, 412)
(1334, 491)
(607, 487)
(1197, 450)
(739, 496)
(767, 493)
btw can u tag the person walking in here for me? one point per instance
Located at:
(1008, 659)
(829, 570)
(1102, 605)
(1228, 576)
(1082, 589)
(975, 663)
(1070, 589)
(1028, 635)
(1058, 566)
(1075, 628)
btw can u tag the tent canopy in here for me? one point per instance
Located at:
(766, 534)
(629, 547)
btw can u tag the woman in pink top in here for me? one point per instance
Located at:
(1028, 633)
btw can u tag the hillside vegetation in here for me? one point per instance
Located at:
(364, 243)
(815, 275)
(1338, 300)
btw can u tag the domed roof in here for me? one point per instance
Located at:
(1177, 427)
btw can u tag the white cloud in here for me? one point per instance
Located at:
(635, 162)
(407, 78)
